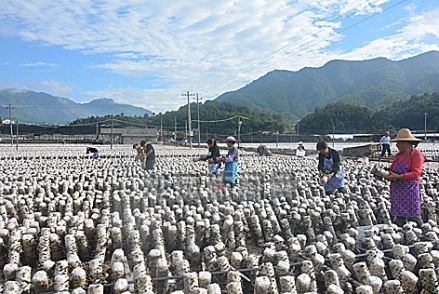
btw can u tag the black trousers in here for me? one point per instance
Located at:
(385, 147)
(400, 221)
(341, 190)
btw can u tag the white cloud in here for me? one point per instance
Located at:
(205, 46)
(40, 64)
(412, 39)
(57, 87)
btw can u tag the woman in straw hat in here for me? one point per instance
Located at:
(231, 162)
(405, 174)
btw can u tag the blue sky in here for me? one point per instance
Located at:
(147, 53)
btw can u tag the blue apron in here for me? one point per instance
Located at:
(337, 181)
(230, 170)
(213, 167)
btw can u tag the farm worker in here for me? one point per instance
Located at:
(231, 162)
(301, 151)
(329, 165)
(405, 175)
(212, 156)
(94, 151)
(139, 150)
(148, 156)
(385, 144)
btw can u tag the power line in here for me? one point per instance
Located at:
(303, 38)
(68, 107)
(343, 30)
(280, 51)
(222, 120)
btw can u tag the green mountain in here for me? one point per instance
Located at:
(345, 118)
(374, 83)
(32, 107)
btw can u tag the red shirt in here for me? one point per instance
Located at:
(416, 160)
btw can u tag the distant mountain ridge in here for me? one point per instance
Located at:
(32, 107)
(374, 83)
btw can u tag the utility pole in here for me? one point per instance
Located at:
(239, 129)
(10, 123)
(277, 135)
(425, 126)
(175, 129)
(112, 123)
(198, 109)
(161, 128)
(189, 116)
(17, 134)
(185, 130)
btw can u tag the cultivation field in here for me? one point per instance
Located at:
(72, 224)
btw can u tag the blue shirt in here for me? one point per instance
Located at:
(385, 140)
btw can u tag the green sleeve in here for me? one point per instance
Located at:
(336, 158)
(336, 167)
(321, 162)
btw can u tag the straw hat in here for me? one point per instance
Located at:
(405, 135)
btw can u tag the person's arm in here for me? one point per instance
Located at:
(232, 155)
(381, 140)
(336, 159)
(416, 161)
(394, 176)
(208, 156)
(148, 151)
(321, 166)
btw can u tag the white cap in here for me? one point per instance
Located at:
(300, 143)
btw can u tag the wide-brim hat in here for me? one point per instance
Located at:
(231, 139)
(300, 143)
(405, 135)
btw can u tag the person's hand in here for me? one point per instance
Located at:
(320, 173)
(330, 176)
(394, 177)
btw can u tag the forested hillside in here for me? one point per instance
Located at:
(346, 118)
(216, 118)
(33, 107)
(375, 83)
(410, 113)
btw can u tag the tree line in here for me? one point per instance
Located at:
(214, 119)
(344, 118)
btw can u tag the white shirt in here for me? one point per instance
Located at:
(385, 140)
